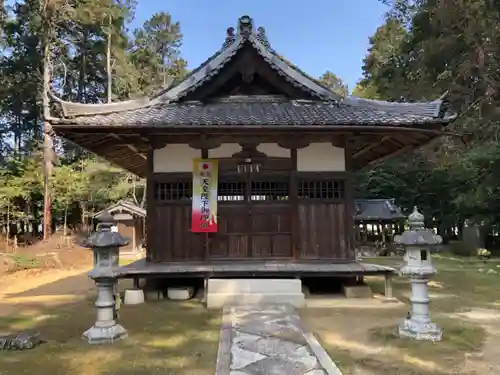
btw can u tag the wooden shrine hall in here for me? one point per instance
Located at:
(280, 148)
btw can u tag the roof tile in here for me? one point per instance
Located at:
(262, 111)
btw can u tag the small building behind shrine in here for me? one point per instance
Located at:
(249, 163)
(376, 223)
(378, 219)
(130, 222)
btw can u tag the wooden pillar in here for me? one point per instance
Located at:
(150, 204)
(293, 191)
(350, 251)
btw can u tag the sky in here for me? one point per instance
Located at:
(315, 35)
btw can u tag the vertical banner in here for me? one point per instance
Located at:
(205, 180)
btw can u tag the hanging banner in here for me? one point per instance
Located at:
(205, 180)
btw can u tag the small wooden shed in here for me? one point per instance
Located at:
(130, 222)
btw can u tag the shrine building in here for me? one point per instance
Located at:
(249, 163)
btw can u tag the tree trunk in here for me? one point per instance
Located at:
(47, 144)
(108, 64)
(7, 235)
(65, 230)
(83, 213)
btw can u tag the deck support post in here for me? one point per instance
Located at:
(388, 286)
(136, 283)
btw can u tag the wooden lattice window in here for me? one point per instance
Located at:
(321, 189)
(173, 191)
(231, 191)
(270, 191)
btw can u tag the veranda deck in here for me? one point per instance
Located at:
(249, 268)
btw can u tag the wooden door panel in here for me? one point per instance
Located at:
(174, 240)
(255, 218)
(231, 239)
(271, 230)
(322, 231)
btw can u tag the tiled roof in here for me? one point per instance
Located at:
(123, 205)
(259, 42)
(265, 111)
(377, 209)
(168, 109)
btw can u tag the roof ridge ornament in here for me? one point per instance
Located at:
(262, 38)
(245, 27)
(230, 38)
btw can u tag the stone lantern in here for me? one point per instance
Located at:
(418, 243)
(105, 245)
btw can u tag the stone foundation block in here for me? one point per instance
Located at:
(357, 291)
(238, 292)
(219, 300)
(180, 293)
(133, 297)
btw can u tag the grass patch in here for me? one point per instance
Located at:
(459, 337)
(367, 341)
(164, 338)
(458, 285)
(22, 262)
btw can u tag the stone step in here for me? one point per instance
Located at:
(238, 292)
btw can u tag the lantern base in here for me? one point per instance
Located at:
(105, 335)
(417, 330)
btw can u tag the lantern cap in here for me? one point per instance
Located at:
(416, 219)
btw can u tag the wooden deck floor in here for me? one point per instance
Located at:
(249, 269)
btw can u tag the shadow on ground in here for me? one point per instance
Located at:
(78, 283)
(164, 338)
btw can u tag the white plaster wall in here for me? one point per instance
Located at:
(225, 150)
(321, 157)
(174, 158)
(273, 150)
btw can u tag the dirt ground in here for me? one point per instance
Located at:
(67, 251)
(52, 284)
(364, 342)
(164, 337)
(24, 291)
(182, 338)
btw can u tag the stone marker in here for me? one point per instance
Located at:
(105, 244)
(418, 242)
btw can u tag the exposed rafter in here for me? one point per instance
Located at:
(129, 146)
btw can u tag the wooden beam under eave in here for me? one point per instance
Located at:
(129, 146)
(205, 142)
(294, 143)
(369, 147)
(393, 154)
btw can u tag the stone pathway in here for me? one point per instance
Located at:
(269, 340)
